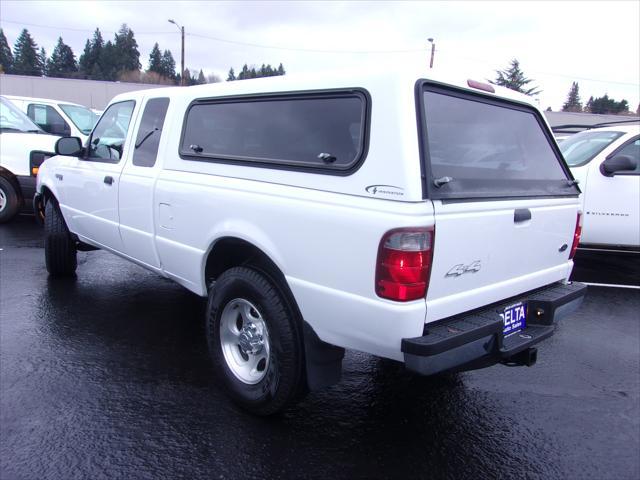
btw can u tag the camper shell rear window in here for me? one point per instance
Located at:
(475, 146)
(320, 131)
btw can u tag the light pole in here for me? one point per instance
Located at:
(433, 49)
(182, 51)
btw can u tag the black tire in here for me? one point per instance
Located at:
(59, 246)
(283, 383)
(9, 200)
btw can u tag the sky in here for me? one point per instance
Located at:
(596, 43)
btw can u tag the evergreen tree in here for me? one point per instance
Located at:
(42, 61)
(589, 105)
(264, 71)
(573, 103)
(127, 49)
(6, 57)
(155, 60)
(25, 56)
(201, 78)
(108, 65)
(244, 73)
(606, 105)
(62, 62)
(188, 79)
(514, 79)
(168, 65)
(84, 60)
(89, 60)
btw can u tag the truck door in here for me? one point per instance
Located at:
(137, 185)
(91, 183)
(611, 203)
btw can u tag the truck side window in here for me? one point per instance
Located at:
(107, 140)
(149, 132)
(320, 130)
(47, 118)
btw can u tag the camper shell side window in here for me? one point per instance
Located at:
(321, 131)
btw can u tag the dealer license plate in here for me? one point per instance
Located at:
(514, 318)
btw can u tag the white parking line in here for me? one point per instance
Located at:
(612, 285)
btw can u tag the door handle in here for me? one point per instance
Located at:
(521, 215)
(108, 180)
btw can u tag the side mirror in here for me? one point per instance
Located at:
(619, 163)
(69, 146)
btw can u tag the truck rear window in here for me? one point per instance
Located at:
(479, 147)
(319, 131)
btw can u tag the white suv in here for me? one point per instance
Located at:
(421, 220)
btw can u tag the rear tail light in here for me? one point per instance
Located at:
(404, 263)
(576, 235)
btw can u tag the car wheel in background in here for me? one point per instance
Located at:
(9, 200)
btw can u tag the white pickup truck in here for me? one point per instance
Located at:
(606, 162)
(23, 148)
(419, 219)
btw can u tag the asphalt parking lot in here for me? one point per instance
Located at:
(107, 376)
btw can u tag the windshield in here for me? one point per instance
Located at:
(12, 119)
(484, 148)
(581, 148)
(82, 117)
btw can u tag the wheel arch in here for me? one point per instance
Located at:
(323, 361)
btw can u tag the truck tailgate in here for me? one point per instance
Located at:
(486, 251)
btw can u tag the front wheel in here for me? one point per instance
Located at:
(9, 200)
(59, 247)
(255, 341)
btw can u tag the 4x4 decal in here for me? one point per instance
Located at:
(459, 269)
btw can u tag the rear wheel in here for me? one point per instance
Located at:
(59, 246)
(255, 341)
(9, 200)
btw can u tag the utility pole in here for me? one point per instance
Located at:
(433, 50)
(181, 28)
